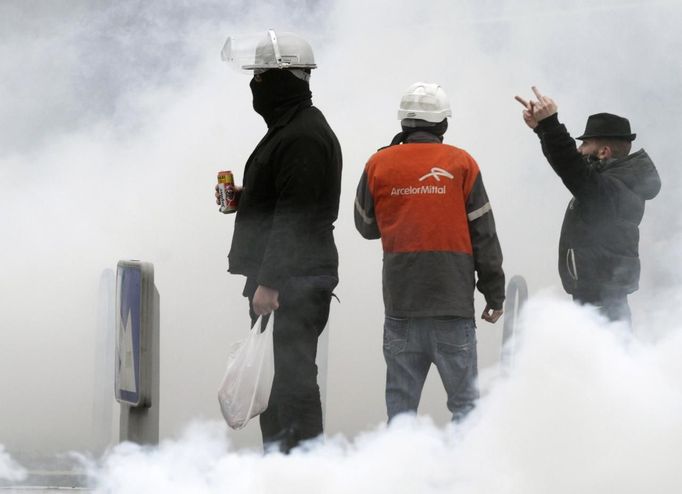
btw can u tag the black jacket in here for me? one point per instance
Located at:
(290, 200)
(599, 244)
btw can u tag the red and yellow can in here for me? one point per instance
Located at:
(226, 189)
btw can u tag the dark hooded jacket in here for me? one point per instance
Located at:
(599, 244)
(289, 201)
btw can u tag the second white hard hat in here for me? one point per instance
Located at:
(425, 101)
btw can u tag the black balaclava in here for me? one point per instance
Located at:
(277, 91)
(437, 129)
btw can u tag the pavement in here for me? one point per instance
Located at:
(57, 474)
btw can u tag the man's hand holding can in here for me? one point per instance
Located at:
(226, 193)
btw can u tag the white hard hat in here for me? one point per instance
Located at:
(424, 101)
(268, 50)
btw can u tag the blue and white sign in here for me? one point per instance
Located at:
(129, 334)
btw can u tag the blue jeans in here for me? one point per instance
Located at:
(411, 345)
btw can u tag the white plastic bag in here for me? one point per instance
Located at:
(246, 387)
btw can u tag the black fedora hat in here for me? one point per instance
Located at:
(607, 125)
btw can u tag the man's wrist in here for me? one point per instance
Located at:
(548, 123)
(272, 283)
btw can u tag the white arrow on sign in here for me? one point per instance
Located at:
(127, 360)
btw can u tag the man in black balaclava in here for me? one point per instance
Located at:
(599, 243)
(276, 90)
(283, 241)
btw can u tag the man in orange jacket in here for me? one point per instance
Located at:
(427, 203)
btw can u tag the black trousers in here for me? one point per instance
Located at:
(615, 308)
(294, 411)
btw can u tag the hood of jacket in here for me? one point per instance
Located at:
(637, 172)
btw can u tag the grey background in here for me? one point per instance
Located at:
(116, 117)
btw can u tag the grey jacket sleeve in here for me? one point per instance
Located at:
(486, 246)
(365, 220)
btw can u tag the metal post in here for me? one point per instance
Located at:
(137, 352)
(103, 408)
(517, 294)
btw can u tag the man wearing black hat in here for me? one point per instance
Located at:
(599, 244)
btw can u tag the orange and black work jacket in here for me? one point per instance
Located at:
(427, 203)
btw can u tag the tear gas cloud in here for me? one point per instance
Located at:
(564, 420)
(10, 470)
(116, 118)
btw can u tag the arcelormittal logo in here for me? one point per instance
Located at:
(437, 173)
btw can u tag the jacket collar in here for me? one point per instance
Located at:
(288, 113)
(421, 136)
(603, 165)
(637, 171)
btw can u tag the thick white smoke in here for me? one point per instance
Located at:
(10, 470)
(585, 408)
(117, 116)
